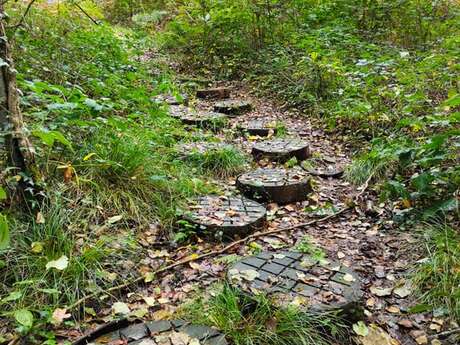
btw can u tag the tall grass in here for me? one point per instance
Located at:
(437, 278)
(255, 321)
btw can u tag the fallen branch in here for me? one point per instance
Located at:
(445, 333)
(205, 255)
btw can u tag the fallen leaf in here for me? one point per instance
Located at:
(360, 328)
(59, 315)
(114, 219)
(381, 292)
(349, 278)
(120, 308)
(36, 247)
(402, 292)
(150, 301)
(59, 264)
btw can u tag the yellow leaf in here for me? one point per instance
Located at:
(406, 203)
(88, 156)
(36, 247)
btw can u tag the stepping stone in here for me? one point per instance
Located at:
(158, 333)
(177, 111)
(293, 277)
(204, 119)
(172, 100)
(214, 93)
(281, 149)
(224, 217)
(259, 127)
(275, 185)
(233, 107)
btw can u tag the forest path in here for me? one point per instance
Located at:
(363, 238)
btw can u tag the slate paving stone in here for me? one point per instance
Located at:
(281, 149)
(324, 286)
(160, 332)
(283, 186)
(225, 217)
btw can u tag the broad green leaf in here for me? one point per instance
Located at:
(24, 317)
(4, 232)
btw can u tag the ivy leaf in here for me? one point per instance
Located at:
(2, 193)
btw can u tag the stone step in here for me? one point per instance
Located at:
(171, 99)
(261, 128)
(233, 107)
(202, 147)
(158, 333)
(223, 217)
(208, 120)
(214, 93)
(275, 185)
(281, 149)
(293, 277)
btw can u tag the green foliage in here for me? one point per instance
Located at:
(253, 321)
(437, 277)
(307, 247)
(220, 162)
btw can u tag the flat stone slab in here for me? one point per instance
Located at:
(175, 332)
(171, 99)
(233, 107)
(293, 277)
(224, 217)
(178, 111)
(261, 128)
(214, 93)
(203, 119)
(279, 185)
(281, 149)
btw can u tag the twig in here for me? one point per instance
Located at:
(24, 15)
(86, 14)
(445, 333)
(226, 248)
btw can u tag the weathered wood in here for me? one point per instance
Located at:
(214, 93)
(224, 217)
(281, 149)
(260, 128)
(275, 185)
(233, 107)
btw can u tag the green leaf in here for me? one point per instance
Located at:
(50, 137)
(2, 193)
(361, 329)
(420, 308)
(13, 296)
(4, 232)
(24, 317)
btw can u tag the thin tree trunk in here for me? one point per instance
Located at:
(19, 149)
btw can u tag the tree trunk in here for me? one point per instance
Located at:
(18, 147)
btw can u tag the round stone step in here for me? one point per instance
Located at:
(224, 217)
(171, 99)
(281, 149)
(293, 277)
(233, 107)
(157, 333)
(275, 185)
(261, 128)
(204, 119)
(214, 93)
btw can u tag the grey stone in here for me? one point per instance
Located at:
(156, 327)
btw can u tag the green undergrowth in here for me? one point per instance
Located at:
(220, 162)
(106, 164)
(437, 277)
(255, 321)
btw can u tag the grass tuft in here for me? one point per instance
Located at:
(437, 278)
(256, 321)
